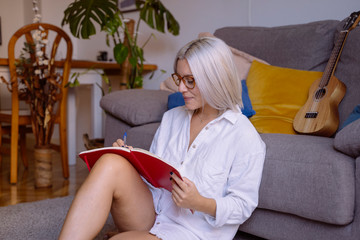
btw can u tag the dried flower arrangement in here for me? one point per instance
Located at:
(38, 84)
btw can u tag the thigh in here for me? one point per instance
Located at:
(132, 208)
(135, 235)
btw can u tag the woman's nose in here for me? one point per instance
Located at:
(182, 87)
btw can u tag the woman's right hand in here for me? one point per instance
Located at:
(120, 143)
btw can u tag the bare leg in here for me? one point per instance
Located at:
(135, 235)
(113, 184)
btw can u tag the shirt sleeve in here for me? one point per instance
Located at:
(242, 192)
(154, 143)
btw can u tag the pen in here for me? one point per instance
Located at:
(124, 138)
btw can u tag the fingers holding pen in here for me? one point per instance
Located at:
(118, 143)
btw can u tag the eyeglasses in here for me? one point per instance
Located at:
(189, 81)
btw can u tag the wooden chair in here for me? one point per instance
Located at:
(17, 122)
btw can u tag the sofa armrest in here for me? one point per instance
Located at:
(136, 106)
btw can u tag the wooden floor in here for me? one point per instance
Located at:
(25, 191)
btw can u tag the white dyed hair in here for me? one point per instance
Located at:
(212, 65)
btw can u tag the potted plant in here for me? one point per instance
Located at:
(82, 14)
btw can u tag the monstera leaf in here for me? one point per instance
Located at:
(155, 14)
(81, 15)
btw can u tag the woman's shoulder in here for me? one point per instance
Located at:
(244, 131)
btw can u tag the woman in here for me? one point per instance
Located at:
(217, 150)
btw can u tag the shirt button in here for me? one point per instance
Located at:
(157, 223)
(182, 162)
(206, 128)
(194, 146)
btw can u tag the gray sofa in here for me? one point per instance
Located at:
(311, 185)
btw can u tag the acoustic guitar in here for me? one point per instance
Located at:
(320, 115)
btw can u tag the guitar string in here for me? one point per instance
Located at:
(331, 65)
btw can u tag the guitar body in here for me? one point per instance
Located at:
(319, 115)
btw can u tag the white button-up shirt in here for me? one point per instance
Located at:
(225, 162)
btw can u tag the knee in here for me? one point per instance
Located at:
(112, 163)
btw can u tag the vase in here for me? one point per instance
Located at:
(43, 167)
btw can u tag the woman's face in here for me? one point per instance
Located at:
(192, 97)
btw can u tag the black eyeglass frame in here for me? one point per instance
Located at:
(183, 80)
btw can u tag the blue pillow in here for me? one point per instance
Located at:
(176, 99)
(247, 110)
(355, 114)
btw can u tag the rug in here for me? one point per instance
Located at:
(41, 220)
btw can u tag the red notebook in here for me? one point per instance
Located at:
(151, 167)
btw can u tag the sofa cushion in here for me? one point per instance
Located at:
(242, 59)
(175, 99)
(277, 94)
(347, 140)
(136, 106)
(355, 115)
(142, 136)
(301, 46)
(307, 177)
(247, 110)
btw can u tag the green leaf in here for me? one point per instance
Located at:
(133, 61)
(150, 17)
(105, 78)
(138, 81)
(172, 25)
(153, 11)
(160, 22)
(75, 83)
(120, 53)
(113, 24)
(152, 74)
(75, 75)
(81, 15)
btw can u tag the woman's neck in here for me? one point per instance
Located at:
(206, 113)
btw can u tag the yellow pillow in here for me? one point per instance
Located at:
(276, 95)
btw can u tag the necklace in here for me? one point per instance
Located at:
(203, 118)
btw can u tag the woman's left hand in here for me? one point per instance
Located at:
(185, 193)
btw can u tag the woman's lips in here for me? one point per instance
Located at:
(187, 98)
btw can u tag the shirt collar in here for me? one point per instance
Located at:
(229, 115)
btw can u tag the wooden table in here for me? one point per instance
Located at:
(92, 78)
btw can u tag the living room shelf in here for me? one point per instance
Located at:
(90, 64)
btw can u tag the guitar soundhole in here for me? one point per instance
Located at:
(311, 114)
(320, 93)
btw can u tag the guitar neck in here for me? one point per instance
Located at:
(334, 58)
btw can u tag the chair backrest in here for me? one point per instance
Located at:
(57, 36)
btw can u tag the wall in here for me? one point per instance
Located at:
(194, 16)
(12, 17)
